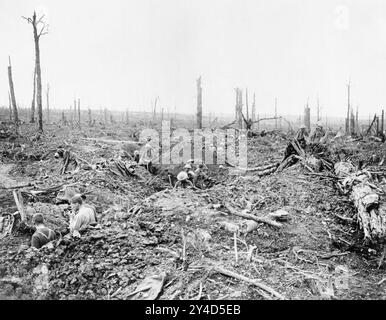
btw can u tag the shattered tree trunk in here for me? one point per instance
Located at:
(307, 118)
(71, 116)
(10, 106)
(239, 108)
(352, 123)
(253, 109)
(348, 110)
(246, 103)
(199, 104)
(79, 112)
(371, 213)
(38, 74)
(64, 121)
(48, 103)
(89, 117)
(13, 99)
(33, 98)
(275, 113)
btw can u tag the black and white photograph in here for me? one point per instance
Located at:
(210, 151)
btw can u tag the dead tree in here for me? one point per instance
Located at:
(254, 108)
(356, 121)
(199, 104)
(371, 124)
(33, 98)
(48, 103)
(89, 117)
(377, 126)
(246, 103)
(79, 112)
(13, 99)
(348, 108)
(71, 117)
(382, 120)
(37, 34)
(105, 116)
(64, 120)
(127, 117)
(307, 117)
(352, 123)
(155, 108)
(317, 109)
(239, 108)
(10, 106)
(276, 113)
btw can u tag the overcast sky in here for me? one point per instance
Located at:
(121, 53)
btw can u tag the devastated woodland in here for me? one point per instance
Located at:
(91, 208)
(295, 224)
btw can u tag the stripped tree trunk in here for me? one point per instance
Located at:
(79, 112)
(254, 108)
(13, 99)
(10, 106)
(71, 117)
(246, 103)
(89, 117)
(307, 117)
(199, 104)
(33, 98)
(48, 103)
(38, 74)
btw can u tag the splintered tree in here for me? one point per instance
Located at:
(246, 102)
(254, 108)
(79, 112)
(239, 108)
(10, 106)
(89, 117)
(352, 123)
(13, 99)
(307, 117)
(318, 117)
(155, 108)
(33, 98)
(71, 116)
(35, 22)
(348, 107)
(199, 104)
(48, 103)
(276, 113)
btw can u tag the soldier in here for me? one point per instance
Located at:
(82, 216)
(42, 235)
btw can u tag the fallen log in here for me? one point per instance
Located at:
(371, 214)
(253, 217)
(250, 281)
